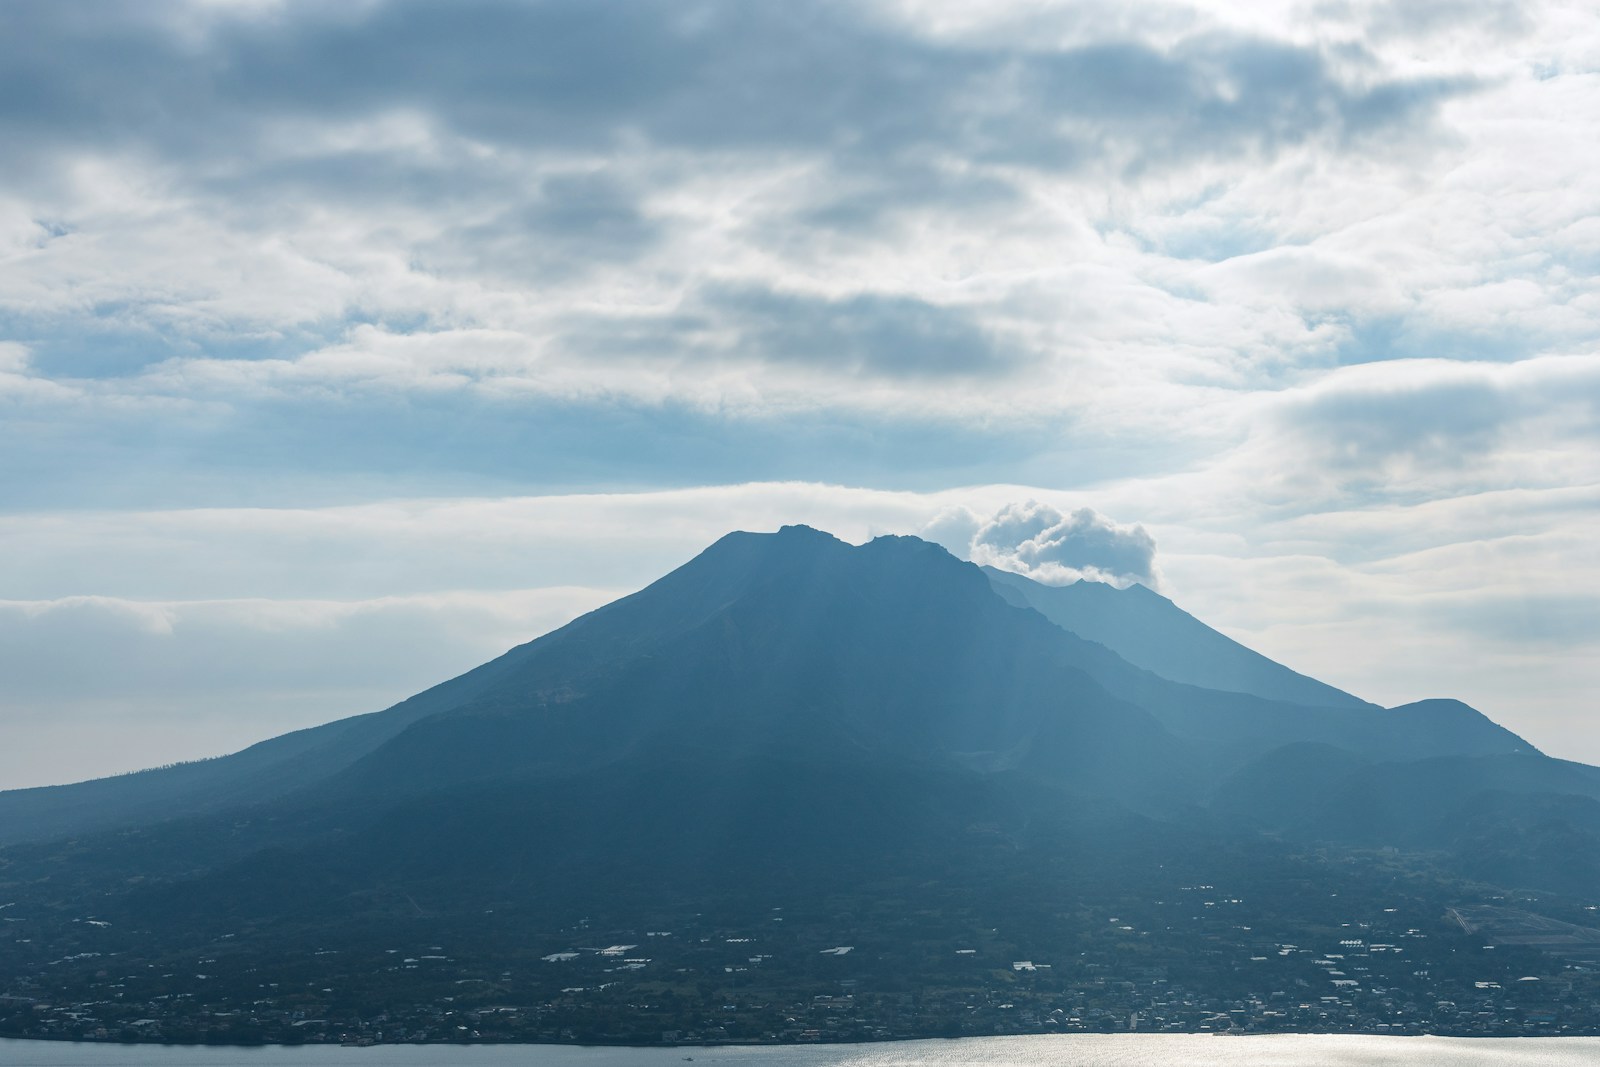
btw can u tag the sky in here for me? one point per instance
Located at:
(344, 346)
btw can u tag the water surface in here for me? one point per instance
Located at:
(1076, 1050)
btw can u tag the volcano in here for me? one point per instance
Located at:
(885, 764)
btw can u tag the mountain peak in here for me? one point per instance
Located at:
(799, 530)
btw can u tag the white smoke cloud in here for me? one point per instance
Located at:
(1049, 545)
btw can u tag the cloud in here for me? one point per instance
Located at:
(208, 173)
(566, 226)
(378, 424)
(1431, 18)
(104, 685)
(1049, 545)
(895, 336)
(953, 528)
(1436, 426)
(841, 78)
(1514, 618)
(657, 215)
(780, 334)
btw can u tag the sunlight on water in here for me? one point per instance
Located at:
(1128, 1050)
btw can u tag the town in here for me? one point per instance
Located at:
(1199, 958)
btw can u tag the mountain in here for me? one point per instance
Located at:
(893, 643)
(887, 744)
(1152, 632)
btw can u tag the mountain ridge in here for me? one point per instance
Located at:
(1150, 631)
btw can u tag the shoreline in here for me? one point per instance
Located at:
(820, 1043)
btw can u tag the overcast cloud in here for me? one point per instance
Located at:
(306, 307)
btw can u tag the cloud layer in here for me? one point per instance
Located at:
(269, 251)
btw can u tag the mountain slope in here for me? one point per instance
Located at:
(1522, 820)
(801, 645)
(1152, 632)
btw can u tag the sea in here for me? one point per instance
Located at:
(1108, 1050)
